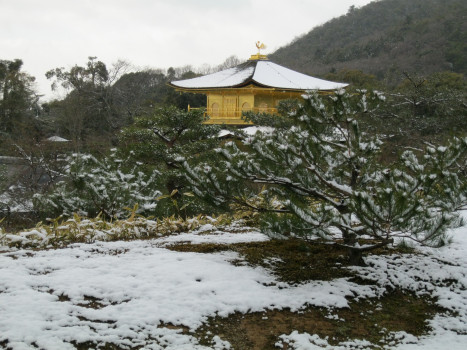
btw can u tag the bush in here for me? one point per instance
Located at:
(104, 186)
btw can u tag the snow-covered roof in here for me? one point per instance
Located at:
(57, 139)
(249, 131)
(262, 73)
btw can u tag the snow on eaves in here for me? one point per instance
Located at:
(263, 73)
(273, 75)
(226, 78)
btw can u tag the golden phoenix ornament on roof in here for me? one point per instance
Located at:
(260, 46)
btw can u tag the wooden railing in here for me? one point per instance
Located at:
(232, 116)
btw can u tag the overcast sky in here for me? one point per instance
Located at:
(47, 34)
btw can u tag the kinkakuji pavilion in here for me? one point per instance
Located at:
(256, 85)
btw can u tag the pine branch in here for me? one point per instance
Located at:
(244, 203)
(287, 183)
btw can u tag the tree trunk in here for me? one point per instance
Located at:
(356, 257)
(355, 254)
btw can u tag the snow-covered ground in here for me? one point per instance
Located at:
(128, 293)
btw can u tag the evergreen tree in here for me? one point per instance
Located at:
(18, 101)
(161, 138)
(320, 178)
(92, 186)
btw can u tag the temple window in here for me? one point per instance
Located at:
(215, 110)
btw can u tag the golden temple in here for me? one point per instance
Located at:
(256, 85)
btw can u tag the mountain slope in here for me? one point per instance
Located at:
(422, 36)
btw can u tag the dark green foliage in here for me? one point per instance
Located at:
(140, 92)
(280, 120)
(104, 186)
(433, 105)
(168, 132)
(182, 99)
(100, 100)
(18, 101)
(90, 113)
(161, 138)
(356, 78)
(421, 109)
(321, 178)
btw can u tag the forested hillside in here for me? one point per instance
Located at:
(422, 36)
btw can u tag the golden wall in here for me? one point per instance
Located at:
(227, 106)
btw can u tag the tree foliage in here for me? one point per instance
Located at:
(322, 179)
(424, 36)
(138, 92)
(101, 100)
(100, 186)
(89, 108)
(421, 109)
(18, 101)
(159, 139)
(355, 78)
(169, 132)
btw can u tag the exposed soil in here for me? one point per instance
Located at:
(371, 320)
(292, 261)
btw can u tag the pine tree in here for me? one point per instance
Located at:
(158, 139)
(104, 186)
(320, 179)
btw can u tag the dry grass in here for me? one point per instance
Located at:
(61, 232)
(292, 261)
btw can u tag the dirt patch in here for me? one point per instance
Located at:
(106, 346)
(296, 261)
(371, 320)
(260, 330)
(205, 248)
(396, 311)
(292, 261)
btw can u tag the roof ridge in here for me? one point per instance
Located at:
(239, 68)
(279, 73)
(252, 78)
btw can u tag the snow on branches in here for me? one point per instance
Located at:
(105, 186)
(327, 178)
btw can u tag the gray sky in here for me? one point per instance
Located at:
(47, 34)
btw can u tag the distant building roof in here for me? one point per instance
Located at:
(262, 73)
(57, 139)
